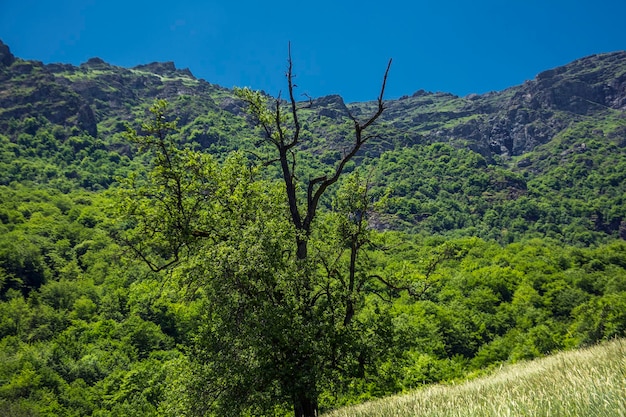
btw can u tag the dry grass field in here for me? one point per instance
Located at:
(585, 383)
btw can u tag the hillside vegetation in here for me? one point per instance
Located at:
(543, 159)
(497, 227)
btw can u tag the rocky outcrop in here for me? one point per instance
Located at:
(541, 108)
(30, 89)
(6, 57)
(331, 106)
(234, 106)
(112, 89)
(166, 69)
(516, 120)
(583, 86)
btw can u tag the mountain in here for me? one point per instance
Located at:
(501, 225)
(518, 119)
(470, 165)
(510, 122)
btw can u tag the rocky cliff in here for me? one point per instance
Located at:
(516, 120)
(97, 95)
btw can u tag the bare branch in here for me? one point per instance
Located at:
(314, 195)
(154, 268)
(309, 103)
(264, 162)
(285, 141)
(294, 107)
(409, 289)
(279, 125)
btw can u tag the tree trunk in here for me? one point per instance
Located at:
(302, 250)
(304, 406)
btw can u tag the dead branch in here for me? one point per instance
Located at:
(314, 195)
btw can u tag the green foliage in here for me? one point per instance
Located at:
(84, 331)
(442, 189)
(97, 337)
(175, 190)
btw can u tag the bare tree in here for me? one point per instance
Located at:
(285, 140)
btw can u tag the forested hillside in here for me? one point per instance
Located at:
(491, 165)
(465, 232)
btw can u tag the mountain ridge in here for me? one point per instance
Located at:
(506, 123)
(519, 118)
(549, 154)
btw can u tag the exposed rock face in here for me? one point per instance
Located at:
(115, 89)
(29, 89)
(330, 106)
(160, 68)
(516, 120)
(584, 85)
(234, 106)
(6, 57)
(539, 109)
(87, 120)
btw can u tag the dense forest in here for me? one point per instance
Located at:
(147, 258)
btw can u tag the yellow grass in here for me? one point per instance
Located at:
(585, 383)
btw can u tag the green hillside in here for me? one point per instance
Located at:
(151, 260)
(508, 156)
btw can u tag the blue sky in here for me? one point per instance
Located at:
(338, 47)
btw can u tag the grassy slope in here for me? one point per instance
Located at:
(588, 382)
